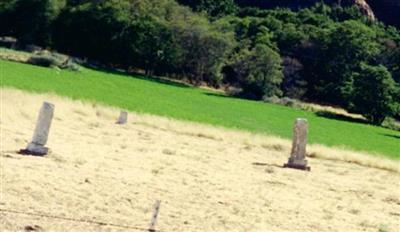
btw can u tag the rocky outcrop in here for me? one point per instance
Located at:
(361, 4)
(365, 8)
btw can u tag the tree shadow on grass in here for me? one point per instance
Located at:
(227, 96)
(266, 164)
(219, 95)
(340, 117)
(162, 81)
(131, 74)
(391, 136)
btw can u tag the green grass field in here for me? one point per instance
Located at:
(193, 104)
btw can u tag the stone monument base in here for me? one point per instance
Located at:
(34, 149)
(297, 164)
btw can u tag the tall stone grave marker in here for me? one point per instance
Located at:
(40, 136)
(297, 158)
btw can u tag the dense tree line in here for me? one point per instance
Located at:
(331, 55)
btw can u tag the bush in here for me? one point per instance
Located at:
(70, 65)
(293, 85)
(212, 7)
(272, 99)
(374, 94)
(44, 61)
(391, 123)
(259, 72)
(285, 101)
(53, 60)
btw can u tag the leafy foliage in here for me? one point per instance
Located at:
(212, 7)
(258, 71)
(374, 93)
(29, 20)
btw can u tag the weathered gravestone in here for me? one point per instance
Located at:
(298, 155)
(40, 136)
(123, 118)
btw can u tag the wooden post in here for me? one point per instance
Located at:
(154, 218)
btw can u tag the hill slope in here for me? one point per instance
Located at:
(185, 103)
(102, 176)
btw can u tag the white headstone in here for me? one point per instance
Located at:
(298, 155)
(40, 136)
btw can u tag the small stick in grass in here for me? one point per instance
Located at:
(153, 223)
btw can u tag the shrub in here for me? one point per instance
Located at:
(44, 61)
(374, 93)
(285, 101)
(259, 72)
(53, 60)
(272, 99)
(391, 123)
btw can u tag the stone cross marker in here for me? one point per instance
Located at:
(154, 218)
(39, 140)
(123, 118)
(298, 155)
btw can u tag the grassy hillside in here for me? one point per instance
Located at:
(181, 102)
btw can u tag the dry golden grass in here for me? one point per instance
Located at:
(208, 179)
(11, 55)
(330, 109)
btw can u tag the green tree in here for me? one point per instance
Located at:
(391, 59)
(7, 17)
(293, 85)
(258, 71)
(94, 30)
(334, 57)
(32, 20)
(205, 52)
(346, 13)
(212, 7)
(289, 37)
(374, 93)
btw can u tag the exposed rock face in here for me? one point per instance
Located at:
(361, 4)
(365, 8)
